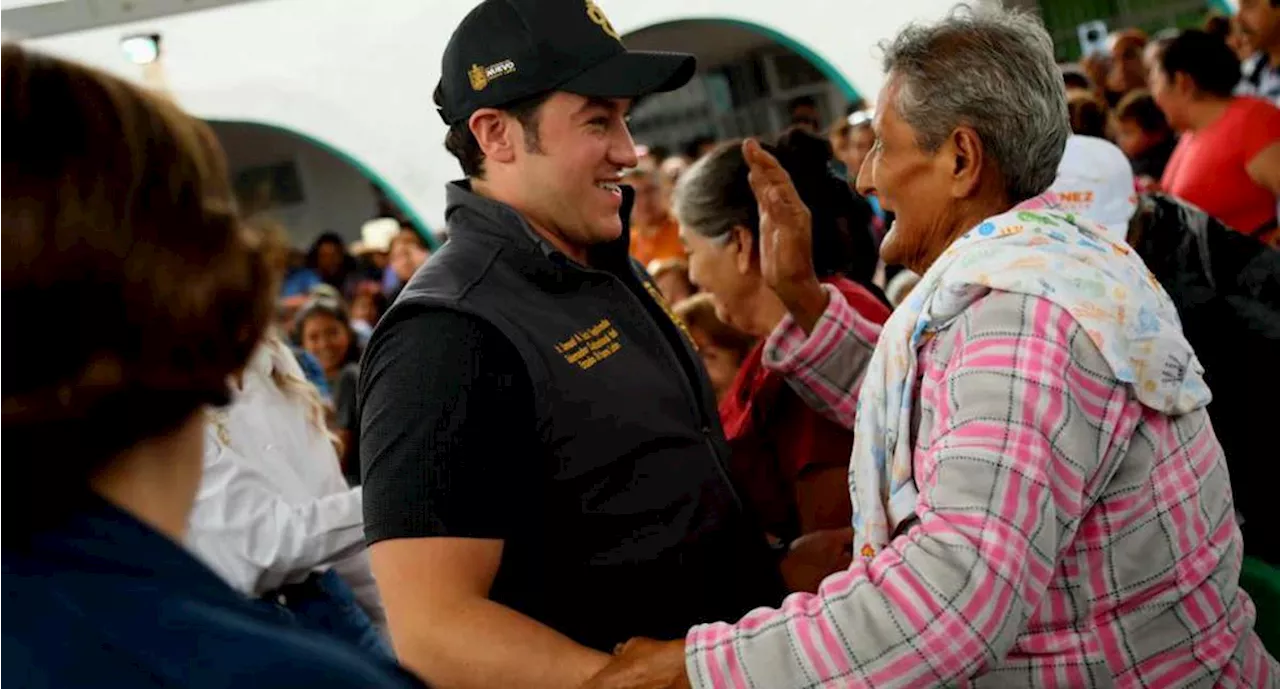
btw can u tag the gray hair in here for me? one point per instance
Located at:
(993, 70)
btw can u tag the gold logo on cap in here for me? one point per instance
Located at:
(597, 17)
(479, 79)
(481, 76)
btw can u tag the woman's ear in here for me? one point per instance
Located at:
(744, 245)
(968, 157)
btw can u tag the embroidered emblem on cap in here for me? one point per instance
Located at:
(597, 17)
(481, 76)
(478, 78)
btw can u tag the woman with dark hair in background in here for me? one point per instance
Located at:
(323, 329)
(122, 250)
(1228, 159)
(329, 259)
(791, 463)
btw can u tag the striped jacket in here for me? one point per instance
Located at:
(1066, 536)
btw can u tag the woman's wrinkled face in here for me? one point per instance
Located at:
(720, 268)
(909, 182)
(327, 339)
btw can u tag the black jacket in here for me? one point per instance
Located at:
(1226, 287)
(640, 530)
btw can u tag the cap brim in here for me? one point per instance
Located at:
(634, 74)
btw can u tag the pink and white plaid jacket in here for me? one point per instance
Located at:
(1066, 536)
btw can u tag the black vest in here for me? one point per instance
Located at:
(639, 530)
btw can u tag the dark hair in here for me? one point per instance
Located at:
(691, 147)
(407, 234)
(1140, 108)
(714, 196)
(461, 143)
(139, 288)
(801, 102)
(1087, 112)
(1218, 25)
(1205, 59)
(1073, 77)
(322, 306)
(376, 299)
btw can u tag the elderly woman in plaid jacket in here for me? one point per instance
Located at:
(1039, 498)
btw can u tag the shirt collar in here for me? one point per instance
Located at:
(507, 222)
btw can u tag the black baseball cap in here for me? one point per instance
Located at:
(506, 50)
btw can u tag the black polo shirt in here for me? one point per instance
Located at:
(513, 394)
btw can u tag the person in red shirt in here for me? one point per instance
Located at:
(790, 463)
(1228, 160)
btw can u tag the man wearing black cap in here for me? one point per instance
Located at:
(544, 465)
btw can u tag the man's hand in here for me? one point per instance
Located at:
(786, 237)
(815, 556)
(644, 664)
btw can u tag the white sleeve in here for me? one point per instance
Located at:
(254, 539)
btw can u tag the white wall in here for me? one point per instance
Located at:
(336, 197)
(359, 75)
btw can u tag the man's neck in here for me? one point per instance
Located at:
(551, 234)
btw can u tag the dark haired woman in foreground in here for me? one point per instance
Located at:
(791, 462)
(121, 249)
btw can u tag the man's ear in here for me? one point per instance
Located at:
(494, 133)
(968, 157)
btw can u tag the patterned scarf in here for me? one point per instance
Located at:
(1034, 249)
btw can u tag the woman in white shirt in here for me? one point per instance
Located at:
(274, 516)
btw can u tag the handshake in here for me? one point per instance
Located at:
(643, 664)
(647, 664)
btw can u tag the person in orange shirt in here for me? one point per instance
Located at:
(655, 235)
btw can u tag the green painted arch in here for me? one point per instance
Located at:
(419, 225)
(823, 64)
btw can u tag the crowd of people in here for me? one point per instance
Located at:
(960, 390)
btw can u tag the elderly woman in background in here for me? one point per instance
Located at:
(1039, 498)
(788, 461)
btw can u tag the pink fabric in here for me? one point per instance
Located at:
(1066, 536)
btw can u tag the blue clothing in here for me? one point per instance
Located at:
(312, 370)
(299, 282)
(102, 600)
(324, 602)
